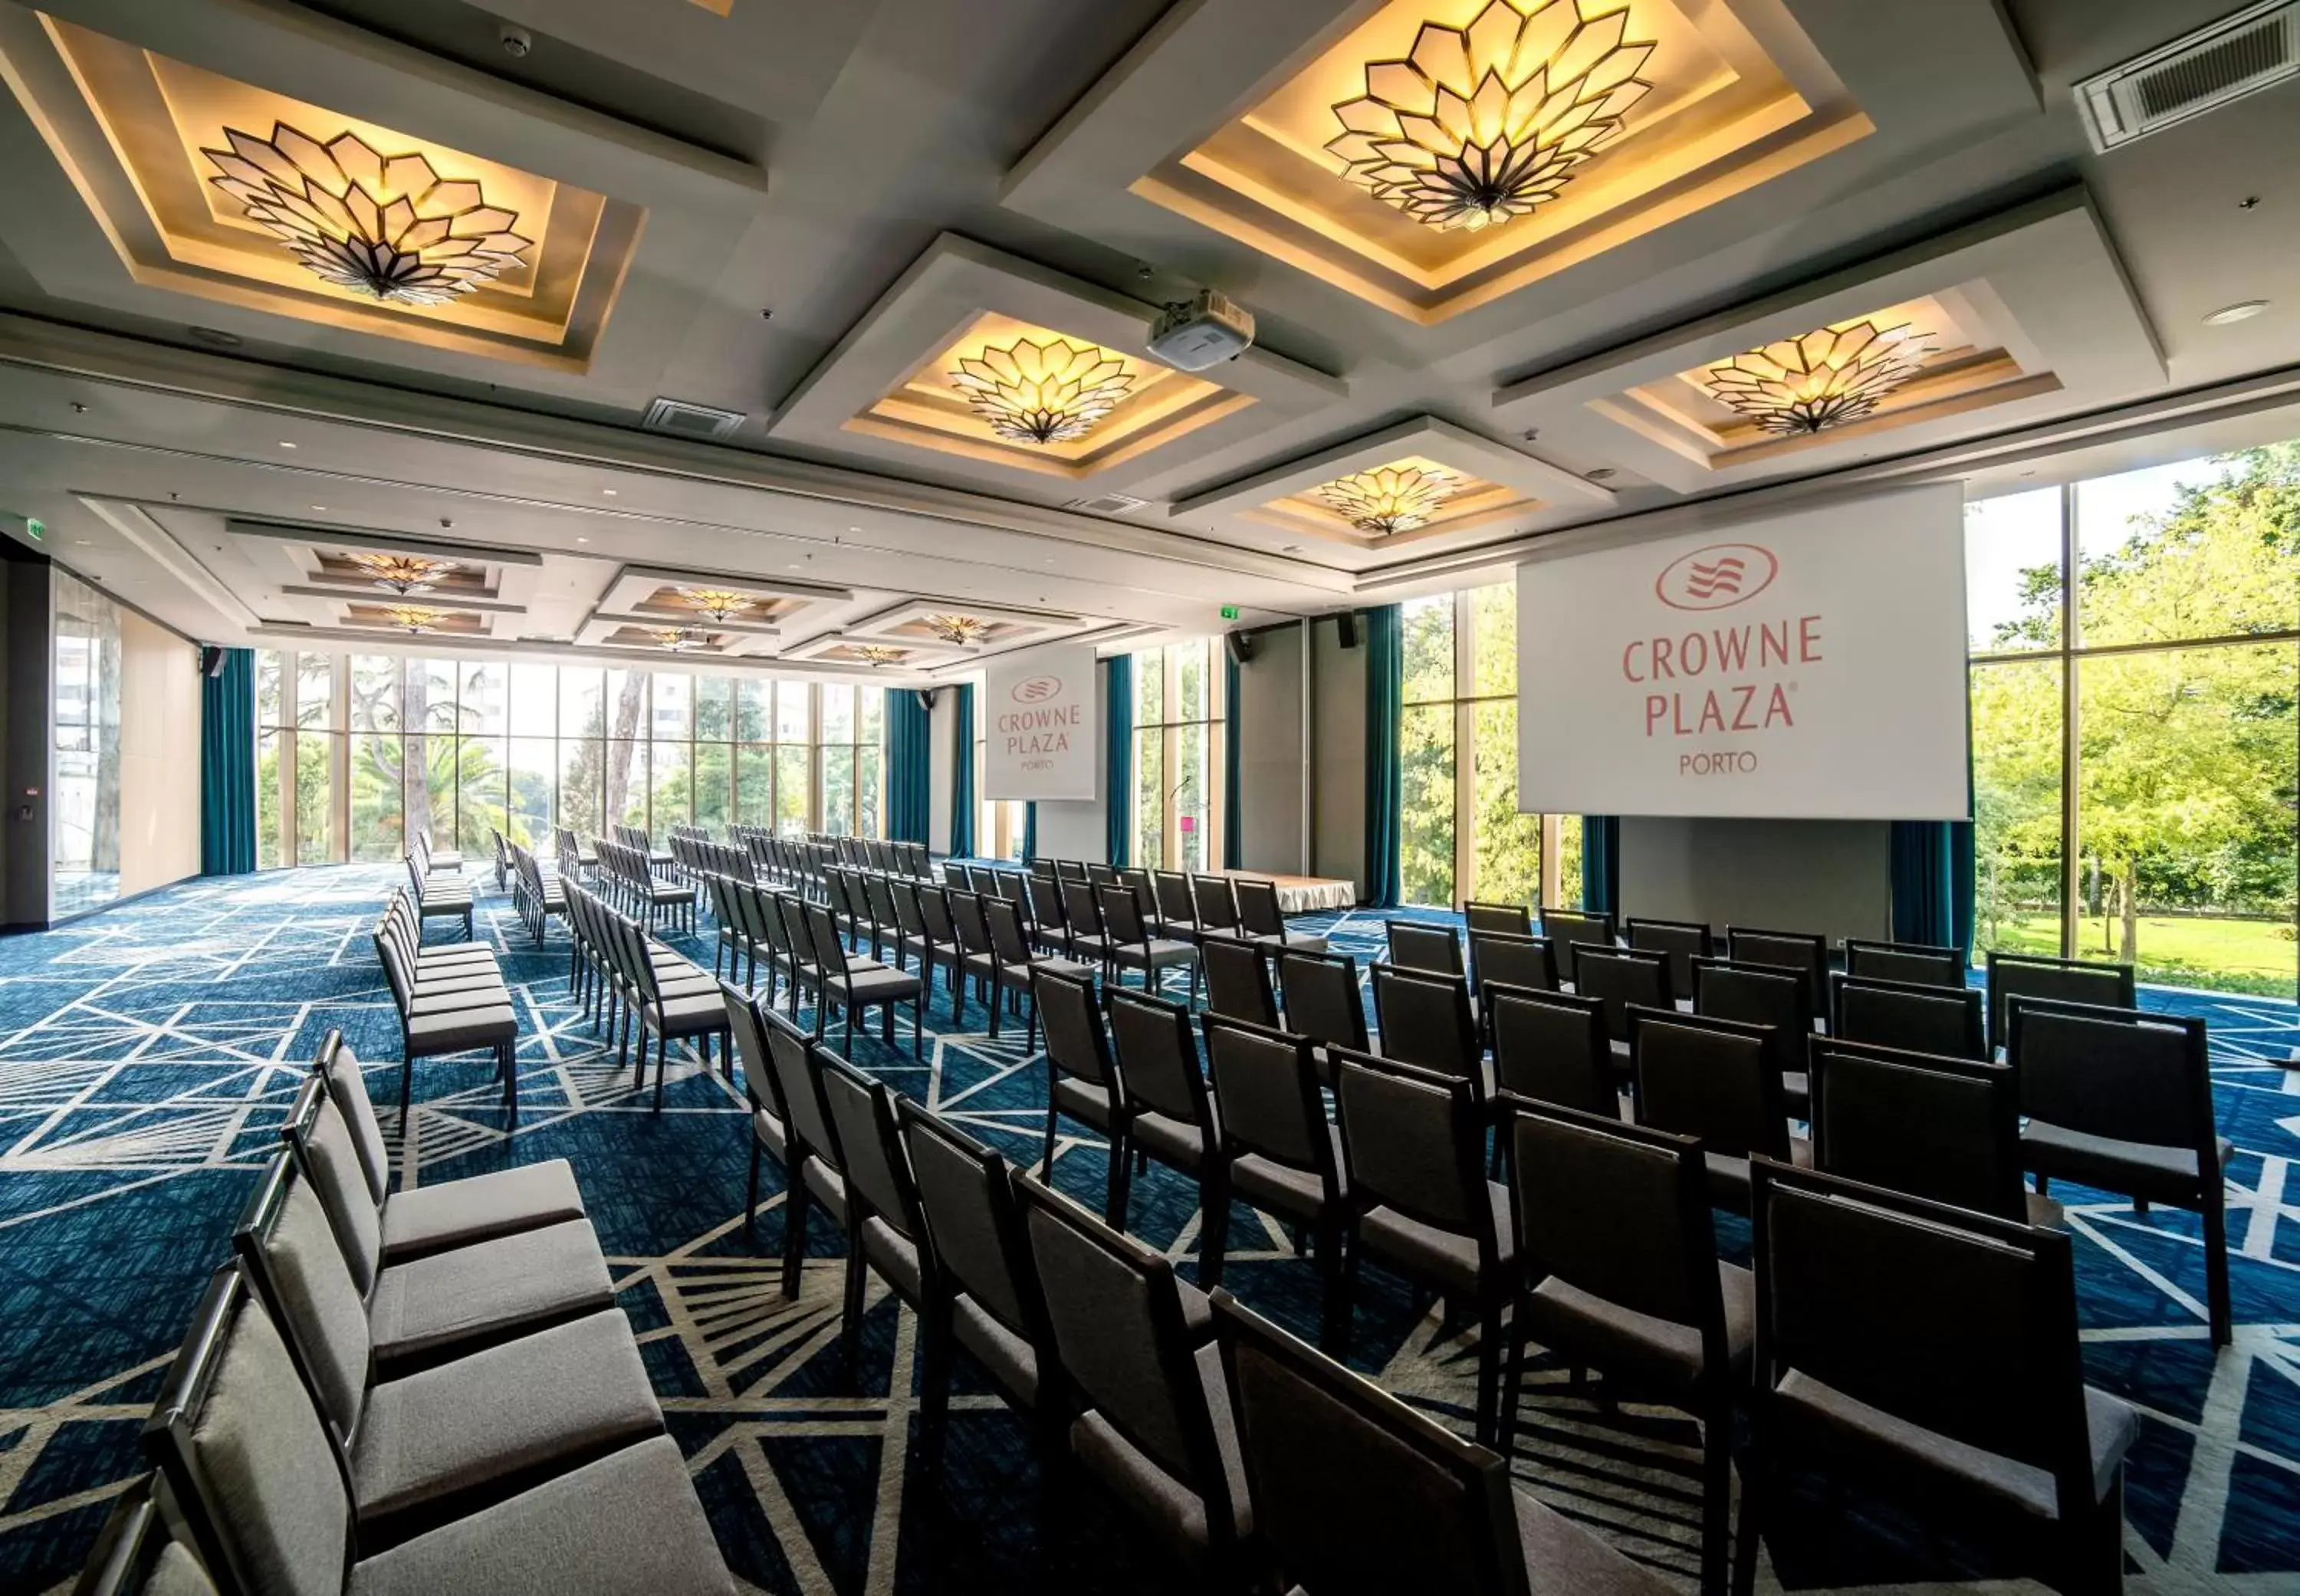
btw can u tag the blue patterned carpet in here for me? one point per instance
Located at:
(147, 1056)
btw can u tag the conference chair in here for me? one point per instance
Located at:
(1714, 1080)
(1414, 1147)
(770, 1127)
(1569, 931)
(1618, 978)
(1322, 1001)
(1089, 943)
(1622, 1276)
(1083, 1079)
(1555, 1047)
(268, 1506)
(2011, 975)
(1905, 1014)
(1946, 1129)
(1169, 1115)
(1218, 912)
(1918, 963)
(463, 1015)
(1500, 956)
(885, 1230)
(1131, 945)
(815, 1172)
(137, 1553)
(859, 985)
(1763, 994)
(1178, 908)
(1261, 918)
(1425, 1019)
(1432, 949)
(1681, 941)
(1509, 919)
(1962, 1385)
(1357, 1494)
(1237, 980)
(1154, 1420)
(2121, 1101)
(1011, 961)
(676, 1002)
(1806, 954)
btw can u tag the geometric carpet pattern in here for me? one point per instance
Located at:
(148, 1054)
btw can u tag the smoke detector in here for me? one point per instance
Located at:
(2242, 54)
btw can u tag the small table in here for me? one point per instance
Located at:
(1300, 894)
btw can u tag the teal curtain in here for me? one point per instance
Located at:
(1233, 803)
(1118, 759)
(1601, 863)
(1932, 872)
(1385, 699)
(961, 777)
(227, 766)
(1029, 832)
(909, 766)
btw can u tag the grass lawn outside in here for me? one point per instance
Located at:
(2255, 956)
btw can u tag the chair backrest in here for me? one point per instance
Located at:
(247, 1455)
(1921, 1018)
(1101, 875)
(1003, 921)
(1941, 1317)
(1432, 949)
(1355, 1492)
(822, 934)
(1237, 980)
(1943, 1129)
(1217, 902)
(1117, 1327)
(1146, 895)
(1918, 963)
(2060, 980)
(750, 1036)
(1414, 1141)
(1077, 1044)
(1121, 915)
(1789, 950)
(934, 908)
(1716, 1079)
(871, 1151)
(1082, 907)
(287, 1248)
(1620, 1211)
(2121, 1073)
(973, 1221)
(1425, 1019)
(1510, 920)
(1682, 941)
(1258, 910)
(136, 1555)
(1175, 903)
(1157, 1053)
(1044, 895)
(798, 1083)
(1618, 978)
(1757, 995)
(1570, 930)
(339, 1066)
(1554, 1047)
(1322, 997)
(1265, 1084)
(1512, 960)
(966, 914)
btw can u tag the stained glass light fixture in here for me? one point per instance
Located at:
(414, 619)
(385, 226)
(681, 640)
(957, 630)
(403, 573)
(1824, 379)
(1050, 392)
(875, 654)
(1389, 498)
(720, 603)
(1481, 124)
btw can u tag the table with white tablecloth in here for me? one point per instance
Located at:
(1301, 895)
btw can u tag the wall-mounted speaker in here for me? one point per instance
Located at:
(1241, 646)
(1346, 624)
(211, 660)
(926, 699)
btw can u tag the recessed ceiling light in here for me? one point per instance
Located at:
(609, 492)
(319, 506)
(582, 540)
(1291, 548)
(84, 541)
(285, 444)
(2244, 310)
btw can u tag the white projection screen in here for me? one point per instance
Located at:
(1810, 665)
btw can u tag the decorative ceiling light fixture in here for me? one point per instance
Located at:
(1048, 392)
(1480, 124)
(1825, 379)
(414, 619)
(960, 631)
(875, 654)
(402, 574)
(718, 603)
(681, 640)
(1389, 498)
(385, 226)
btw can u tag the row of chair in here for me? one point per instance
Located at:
(440, 892)
(635, 985)
(450, 1000)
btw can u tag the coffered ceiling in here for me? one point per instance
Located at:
(327, 295)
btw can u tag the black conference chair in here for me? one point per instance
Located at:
(1920, 963)
(1570, 930)
(1082, 1076)
(1425, 1019)
(1170, 1116)
(1761, 994)
(1946, 1129)
(1510, 920)
(1714, 1079)
(2058, 980)
(1432, 949)
(1903, 1014)
(1681, 941)
(1554, 1047)
(1322, 1001)
(1799, 951)
(1620, 979)
(1237, 979)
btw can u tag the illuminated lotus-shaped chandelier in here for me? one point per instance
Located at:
(385, 226)
(414, 619)
(875, 654)
(403, 573)
(1050, 392)
(957, 630)
(1825, 379)
(718, 603)
(1480, 124)
(681, 640)
(1389, 498)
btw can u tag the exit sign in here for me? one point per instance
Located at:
(34, 530)
(1229, 611)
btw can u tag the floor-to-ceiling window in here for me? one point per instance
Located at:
(2136, 644)
(1180, 717)
(356, 751)
(1464, 838)
(84, 784)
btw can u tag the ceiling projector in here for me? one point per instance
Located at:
(1193, 334)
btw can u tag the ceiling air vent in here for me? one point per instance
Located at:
(2253, 49)
(682, 420)
(1107, 504)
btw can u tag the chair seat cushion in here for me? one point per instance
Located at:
(1011, 1360)
(1638, 1346)
(456, 1030)
(442, 1436)
(1819, 1409)
(1445, 1256)
(1059, 966)
(2137, 1169)
(772, 1135)
(452, 953)
(479, 1208)
(1297, 1194)
(682, 1015)
(476, 1295)
(1562, 1559)
(1084, 1101)
(628, 1525)
(894, 1256)
(1166, 1503)
(878, 986)
(1173, 1141)
(1158, 949)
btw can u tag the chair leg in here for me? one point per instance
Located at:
(1329, 1276)
(1345, 1290)
(919, 1024)
(1213, 1229)
(1757, 1484)
(750, 1192)
(1489, 1370)
(1716, 1495)
(1046, 1159)
(934, 1378)
(1513, 1382)
(794, 1207)
(2219, 1309)
(509, 1054)
(661, 1062)
(1115, 1199)
(850, 1331)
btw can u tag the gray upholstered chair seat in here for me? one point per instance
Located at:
(1623, 1340)
(828, 1184)
(1011, 1360)
(483, 1294)
(894, 1256)
(1293, 941)
(1148, 1489)
(1729, 1176)
(439, 1439)
(1083, 1099)
(446, 859)
(1562, 1559)
(2110, 1427)
(2140, 1168)
(479, 1208)
(1158, 951)
(1444, 1255)
(461, 1029)
(628, 1525)
(448, 955)
(431, 1002)
(1170, 1140)
(878, 985)
(175, 1572)
(1297, 1194)
(772, 1134)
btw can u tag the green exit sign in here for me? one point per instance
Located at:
(1228, 612)
(34, 530)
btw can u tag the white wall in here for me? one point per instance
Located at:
(1833, 876)
(159, 756)
(941, 767)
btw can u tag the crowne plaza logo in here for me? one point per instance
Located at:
(1037, 689)
(1717, 578)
